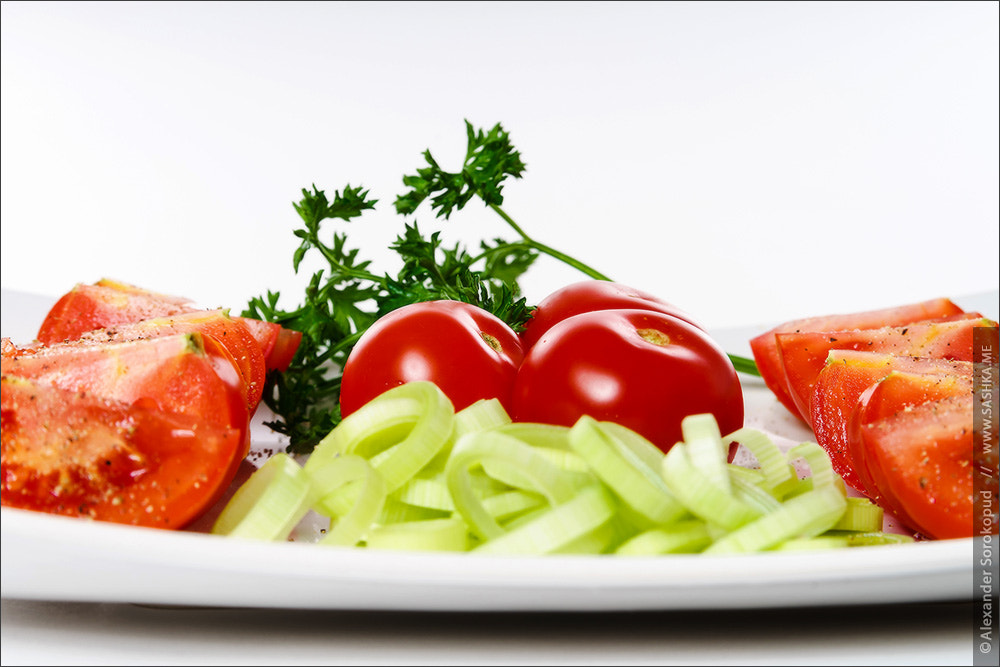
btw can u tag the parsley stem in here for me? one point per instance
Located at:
(742, 364)
(552, 252)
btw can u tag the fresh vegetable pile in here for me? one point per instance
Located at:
(888, 394)
(132, 406)
(407, 472)
(436, 409)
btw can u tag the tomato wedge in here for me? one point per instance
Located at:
(233, 334)
(100, 306)
(897, 392)
(768, 359)
(188, 374)
(73, 453)
(923, 459)
(110, 303)
(803, 355)
(839, 386)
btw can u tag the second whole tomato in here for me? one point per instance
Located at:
(469, 353)
(590, 295)
(641, 369)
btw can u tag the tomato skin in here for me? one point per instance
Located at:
(88, 307)
(765, 348)
(638, 368)
(839, 386)
(110, 303)
(77, 454)
(897, 392)
(466, 351)
(804, 354)
(924, 459)
(231, 333)
(590, 295)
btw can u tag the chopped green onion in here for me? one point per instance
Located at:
(270, 504)
(408, 472)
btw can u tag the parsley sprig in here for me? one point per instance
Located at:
(343, 300)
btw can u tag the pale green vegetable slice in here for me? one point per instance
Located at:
(624, 472)
(431, 535)
(861, 516)
(538, 475)
(557, 527)
(347, 529)
(705, 450)
(688, 536)
(270, 504)
(701, 496)
(377, 425)
(807, 515)
(772, 463)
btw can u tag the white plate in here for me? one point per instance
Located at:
(56, 558)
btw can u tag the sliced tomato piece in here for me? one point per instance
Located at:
(88, 307)
(110, 303)
(897, 392)
(803, 355)
(73, 453)
(231, 333)
(189, 374)
(923, 458)
(279, 344)
(839, 386)
(765, 347)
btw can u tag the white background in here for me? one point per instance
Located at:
(751, 162)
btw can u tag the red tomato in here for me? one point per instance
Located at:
(89, 307)
(642, 369)
(924, 459)
(590, 295)
(110, 303)
(897, 392)
(146, 409)
(765, 348)
(233, 334)
(804, 354)
(844, 378)
(466, 351)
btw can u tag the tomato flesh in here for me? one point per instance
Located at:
(897, 392)
(110, 303)
(923, 459)
(233, 334)
(765, 347)
(466, 351)
(188, 374)
(839, 386)
(74, 453)
(642, 369)
(590, 295)
(803, 355)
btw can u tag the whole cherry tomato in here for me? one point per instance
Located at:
(466, 351)
(642, 369)
(591, 295)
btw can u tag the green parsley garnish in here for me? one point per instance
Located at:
(342, 301)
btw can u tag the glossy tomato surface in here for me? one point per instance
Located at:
(897, 392)
(466, 351)
(765, 346)
(839, 386)
(924, 459)
(804, 354)
(590, 295)
(74, 453)
(638, 368)
(231, 333)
